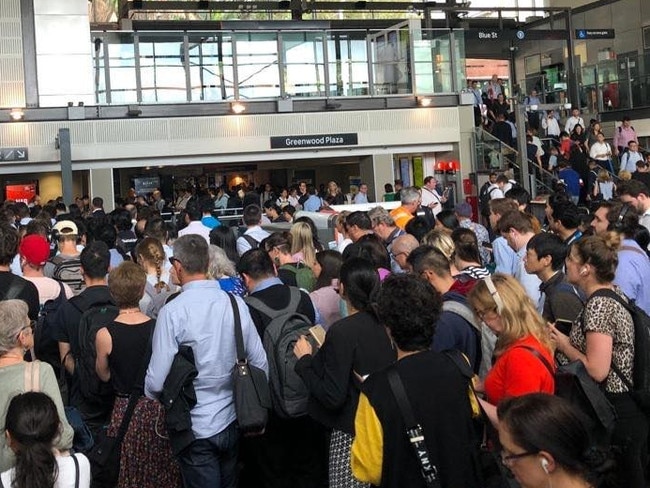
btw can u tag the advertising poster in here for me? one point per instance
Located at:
(21, 192)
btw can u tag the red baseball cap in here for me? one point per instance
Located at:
(35, 249)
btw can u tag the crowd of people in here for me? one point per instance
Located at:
(384, 302)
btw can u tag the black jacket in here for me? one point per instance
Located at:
(178, 397)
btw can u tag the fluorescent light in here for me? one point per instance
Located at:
(17, 114)
(237, 107)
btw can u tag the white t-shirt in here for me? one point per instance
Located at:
(48, 288)
(66, 477)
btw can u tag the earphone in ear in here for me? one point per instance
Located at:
(544, 463)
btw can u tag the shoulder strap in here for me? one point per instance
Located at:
(539, 356)
(61, 290)
(32, 376)
(76, 470)
(239, 336)
(260, 306)
(253, 243)
(413, 430)
(461, 310)
(606, 292)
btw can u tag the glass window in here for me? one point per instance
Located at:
(162, 74)
(258, 74)
(304, 64)
(211, 67)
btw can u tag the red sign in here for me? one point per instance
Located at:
(21, 192)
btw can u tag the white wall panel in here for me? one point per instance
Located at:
(182, 140)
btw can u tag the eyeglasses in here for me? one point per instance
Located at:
(507, 460)
(173, 260)
(482, 313)
(394, 255)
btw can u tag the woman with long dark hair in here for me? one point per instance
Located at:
(222, 236)
(354, 347)
(32, 427)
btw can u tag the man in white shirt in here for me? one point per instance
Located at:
(550, 125)
(254, 233)
(362, 196)
(574, 120)
(193, 220)
(630, 157)
(430, 196)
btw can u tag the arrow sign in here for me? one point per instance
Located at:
(14, 154)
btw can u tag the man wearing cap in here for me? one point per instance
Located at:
(463, 213)
(12, 286)
(66, 266)
(34, 253)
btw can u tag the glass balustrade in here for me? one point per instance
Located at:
(181, 67)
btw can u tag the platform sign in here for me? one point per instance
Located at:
(13, 154)
(318, 140)
(594, 34)
(516, 34)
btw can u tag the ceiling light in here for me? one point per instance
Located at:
(17, 114)
(424, 102)
(237, 107)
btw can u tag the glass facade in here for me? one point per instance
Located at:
(180, 67)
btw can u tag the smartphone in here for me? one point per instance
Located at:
(563, 326)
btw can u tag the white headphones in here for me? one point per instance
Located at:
(544, 463)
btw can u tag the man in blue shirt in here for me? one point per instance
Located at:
(571, 180)
(313, 202)
(202, 317)
(453, 330)
(633, 263)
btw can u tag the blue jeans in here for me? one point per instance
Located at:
(211, 462)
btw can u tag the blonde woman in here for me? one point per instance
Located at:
(443, 243)
(302, 244)
(151, 257)
(523, 351)
(604, 186)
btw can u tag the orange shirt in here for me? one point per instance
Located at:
(401, 216)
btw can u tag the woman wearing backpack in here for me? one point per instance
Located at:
(32, 427)
(603, 339)
(17, 375)
(354, 347)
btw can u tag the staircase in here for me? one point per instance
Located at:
(493, 155)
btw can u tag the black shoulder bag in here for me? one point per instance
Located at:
(105, 455)
(413, 431)
(250, 385)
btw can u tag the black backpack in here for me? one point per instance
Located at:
(288, 392)
(46, 344)
(92, 319)
(640, 386)
(484, 198)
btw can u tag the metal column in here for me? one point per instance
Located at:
(65, 152)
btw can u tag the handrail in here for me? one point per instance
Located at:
(493, 138)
